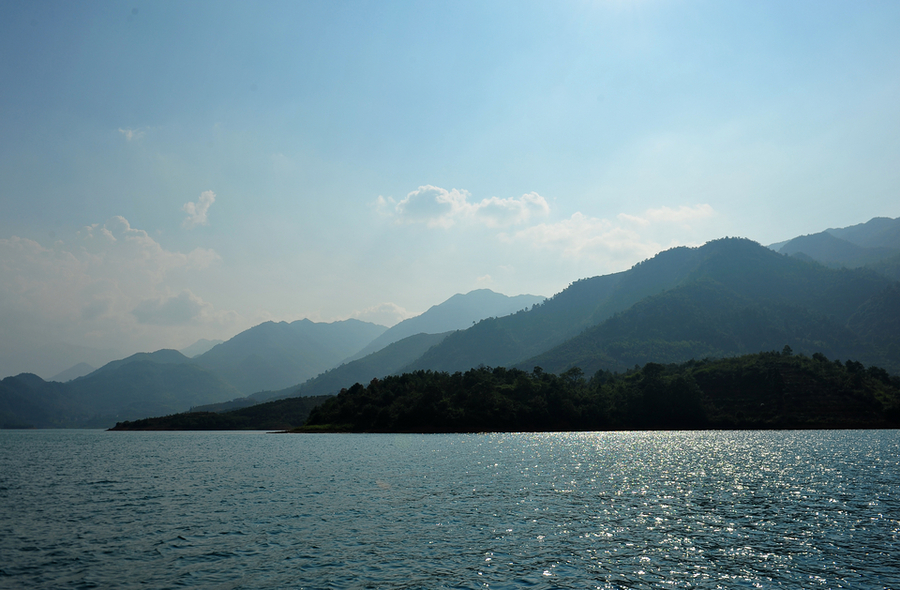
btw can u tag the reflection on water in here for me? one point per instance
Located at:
(560, 510)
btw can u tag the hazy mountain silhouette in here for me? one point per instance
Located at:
(456, 313)
(830, 250)
(165, 356)
(199, 347)
(878, 232)
(79, 370)
(387, 361)
(52, 359)
(275, 355)
(874, 244)
(146, 384)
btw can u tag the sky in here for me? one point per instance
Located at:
(171, 171)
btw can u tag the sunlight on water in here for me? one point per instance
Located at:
(559, 510)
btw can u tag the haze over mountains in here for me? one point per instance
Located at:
(457, 312)
(832, 292)
(270, 356)
(874, 244)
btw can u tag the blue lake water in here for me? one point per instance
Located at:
(94, 509)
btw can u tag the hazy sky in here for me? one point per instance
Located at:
(178, 170)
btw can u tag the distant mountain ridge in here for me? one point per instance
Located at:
(274, 355)
(199, 347)
(74, 372)
(125, 391)
(743, 298)
(728, 297)
(456, 313)
(269, 356)
(874, 244)
(508, 340)
(878, 232)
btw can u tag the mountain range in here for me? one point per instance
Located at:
(270, 360)
(874, 245)
(831, 293)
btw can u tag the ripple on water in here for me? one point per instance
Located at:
(600, 510)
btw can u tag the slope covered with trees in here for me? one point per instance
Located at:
(874, 245)
(507, 340)
(730, 296)
(763, 390)
(743, 298)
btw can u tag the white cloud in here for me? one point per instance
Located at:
(615, 245)
(438, 207)
(111, 286)
(131, 134)
(197, 211)
(581, 236)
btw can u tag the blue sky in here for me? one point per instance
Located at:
(172, 171)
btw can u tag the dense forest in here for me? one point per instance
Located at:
(764, 390)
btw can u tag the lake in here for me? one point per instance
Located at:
(758, 509)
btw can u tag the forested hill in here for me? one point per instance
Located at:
(874, 245)
(743, 298)
(730, 296)
(763, 390)
(586, 302)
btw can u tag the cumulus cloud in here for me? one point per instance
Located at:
(197, 211)
(582, 236)
(614, 244)
(112, 285)
(117, 243)
(171, 311)
(438, 207)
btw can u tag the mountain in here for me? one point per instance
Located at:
(726, 298)
(267, 357)
(743, 298)
(79, 370)
(878, 232)
(165, 356)
(50, 359)
(146, 388)
(142, 385)
(759, 391)
(830, 250)
(199, 347)
(457, 313)
(273, 355)
(507, 340)
(27, 401)
(387, 361)
(874, 244)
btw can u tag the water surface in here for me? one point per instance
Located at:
(94, 509)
